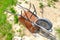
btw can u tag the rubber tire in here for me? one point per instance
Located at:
(44, 23)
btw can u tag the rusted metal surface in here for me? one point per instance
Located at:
(28, 24)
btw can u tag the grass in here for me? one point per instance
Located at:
(2, 19)
(9, 36)
(5, 26)
(5, 29)
(6, 3)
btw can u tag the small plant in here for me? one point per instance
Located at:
(41, 5)
(58, 32)
(55, 0)
(26, 1)
(13, 11)
(20, 2)
(15, 19)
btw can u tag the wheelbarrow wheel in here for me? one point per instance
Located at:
(44, 23)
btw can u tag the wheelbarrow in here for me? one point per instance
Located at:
(35, 24)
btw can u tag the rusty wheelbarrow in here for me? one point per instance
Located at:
(35, 24)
